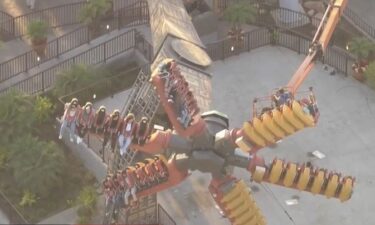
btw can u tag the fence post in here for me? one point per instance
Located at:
(105, 52)
(43, 87)
(299, 45)
(57, 47)
(346, 65)
(222, 50)
(26, 66)
(248, 41)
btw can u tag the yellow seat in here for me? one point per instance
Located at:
(291, 118)
(346, 189)
(276, 171)
(259, 174)
(304, 179)
(236, 190)
(291, 173)
(272, 126)
(252, 135)
(261, 129)
(243, 144)
(332, 185)
(234, 203)
(281, 122)
(245, 218)
(307, 119)
(238, 211)
(318, 182)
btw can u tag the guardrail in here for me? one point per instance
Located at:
(58, 16)
(335, 57)
(131, 15)
(44, 80)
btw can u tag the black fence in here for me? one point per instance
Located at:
(131, 15)
(100, 54)
(298, 18)
(58, 16)
(335, 57)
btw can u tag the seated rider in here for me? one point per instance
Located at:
(142, 132)
(69, 118)
(131, 187)
(85, 120)
(159, 167)
(110, 129)
(99, 120)
(282, 97)
(126, 133)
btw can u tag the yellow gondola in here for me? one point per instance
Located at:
(346, 189)
(281, 122)
(291, 173)
(252, 135)
(272, 126)
(276, 171)
(291, 118)
(332, 185)
(307, 119)
(304, 179)
(261, 129)
(318, 182)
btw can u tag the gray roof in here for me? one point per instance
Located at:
(170, 17)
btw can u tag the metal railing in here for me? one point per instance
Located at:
(335, 57)
(355, 19)
(69, 41)
(44, 80)
(58, 16)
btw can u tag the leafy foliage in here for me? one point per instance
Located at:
(37, 30)
(3, 158)
(370, 74)
(361, 47)
(43, 109)
(28, 199)
(240, 13)
(94, 10)
(87, 197)
(15, 115)
(37, 166)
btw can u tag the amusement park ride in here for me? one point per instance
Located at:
(204, 141)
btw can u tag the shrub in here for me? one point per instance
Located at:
(28, 199)
(94, 10)
(43, 109)
(240, 13)
(370, 75)
(37, 166)
(37, 30)
(361, 47)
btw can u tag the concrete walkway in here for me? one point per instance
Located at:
(68, 216)
(3, 218)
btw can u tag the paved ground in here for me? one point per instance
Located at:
(364, 8)
(344, 134)
(3, 218)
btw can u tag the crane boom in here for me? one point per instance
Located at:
(319, 44)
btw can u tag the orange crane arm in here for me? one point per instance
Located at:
(319, 43)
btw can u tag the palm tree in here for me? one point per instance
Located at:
(361, 47)
(239, 13)
(78, 76)
(37, 166)
(92, 13)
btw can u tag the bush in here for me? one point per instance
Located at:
(15, 115)
(43, 109)
(240, 13)
(28, 199)
(94, 10)
(37, 30)
(370, 75)
(3, 158)
(361, 47)
(36, 165)
(87, 197)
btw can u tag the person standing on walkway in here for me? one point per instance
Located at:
(30, 4)
(110, 129)
(126, 132)
(69, 118)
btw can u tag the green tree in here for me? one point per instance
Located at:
(87, 204)
(16, 112)
(3, 157)
(239, 13)
(37, 166)
(370, 75)
(43, 109)
(361, 47)
(92, 12)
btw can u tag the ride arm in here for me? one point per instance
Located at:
(302, 177)
(320, 42)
